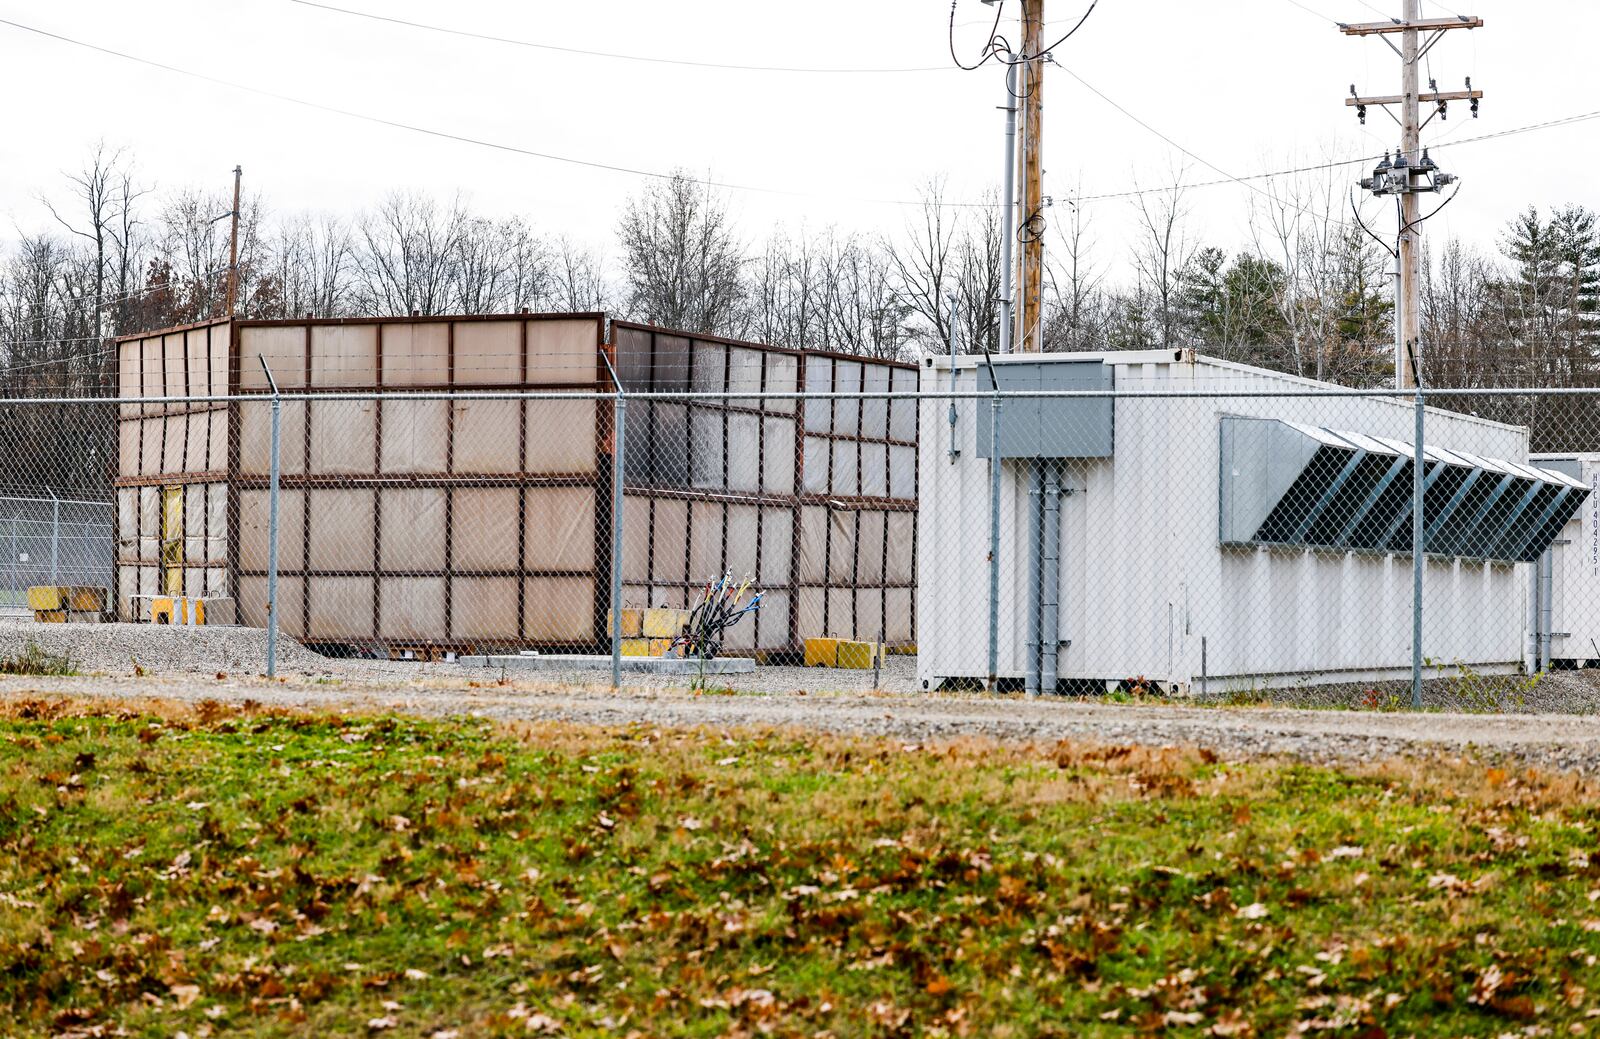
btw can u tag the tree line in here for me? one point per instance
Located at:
(1305, 289)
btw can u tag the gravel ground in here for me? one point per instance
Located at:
(1547, 741)
(1551, 724)
(117, 648)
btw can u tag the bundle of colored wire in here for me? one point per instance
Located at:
(722, 604)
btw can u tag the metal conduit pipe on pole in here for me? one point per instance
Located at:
(1035, 603)
(1050, 608)
(1007, 212)
(1007, 232)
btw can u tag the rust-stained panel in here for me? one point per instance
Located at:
(340, 607)
(416, 354)
(344, 355)
(484, 438)
(563, 520)
(415, 435)
(283, 347)
(559, 609)
(413, 539)
(485, 529)
(341, 530)
(490, 353)
(411, 607)
(343, 433)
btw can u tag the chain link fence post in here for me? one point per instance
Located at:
(620, 414)
(1418, 492)
(272, 524)
(55, 538)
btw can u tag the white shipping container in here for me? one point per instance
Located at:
(1573, 615)
(1148, 586)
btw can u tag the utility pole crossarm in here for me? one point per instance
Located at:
(1414, 24)
(1425, 98)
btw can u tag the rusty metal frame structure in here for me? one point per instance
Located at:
(223, 465)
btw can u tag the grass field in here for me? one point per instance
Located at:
(211, 872)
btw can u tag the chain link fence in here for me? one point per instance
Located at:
(53, 541)
(1056, 525)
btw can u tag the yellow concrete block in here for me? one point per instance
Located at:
(165, 610)
(664, 623)
(50, 616)
(632, 623)
(659, 647)
(858, 656)
(86, 599)
(47, 597)
(822, 653)
(635, 647)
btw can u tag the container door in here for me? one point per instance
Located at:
(172, 540)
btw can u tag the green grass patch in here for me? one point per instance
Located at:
(215, 872)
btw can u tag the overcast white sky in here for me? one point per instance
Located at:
(1246, 84)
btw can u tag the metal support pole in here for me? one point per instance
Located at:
(1035, 603)
(1050, 585)
(1007, 208)
(620, 414)
(955, 311)
(55, 538)
(1546, 565)
(994, 540)
(1417, 494)
(272, 523)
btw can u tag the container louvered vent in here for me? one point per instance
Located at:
(1294, 485)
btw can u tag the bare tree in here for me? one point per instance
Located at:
(924, 266)
(682, 262)
(1162, 253)
(578, 281)
(1075, 309)
(311, 270)
(407, 253)
(864, 311)
(95, 188)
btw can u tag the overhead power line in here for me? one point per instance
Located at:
(647, 58)
(1227, 178)
(447, 135)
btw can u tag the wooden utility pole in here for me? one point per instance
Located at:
(1030, 209)
(1409, 164)
(233, 244)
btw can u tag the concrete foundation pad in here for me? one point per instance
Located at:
(645, 665)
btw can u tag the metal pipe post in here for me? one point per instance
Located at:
(1417, 495)
(1546, 565)
(1035, 603)
(55, 538)
(274, 472)
(620, 413)
(1050, 561)
(994, 540)
(955, 310)
(1007, 208)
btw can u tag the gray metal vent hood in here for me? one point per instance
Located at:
(1294, 485)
